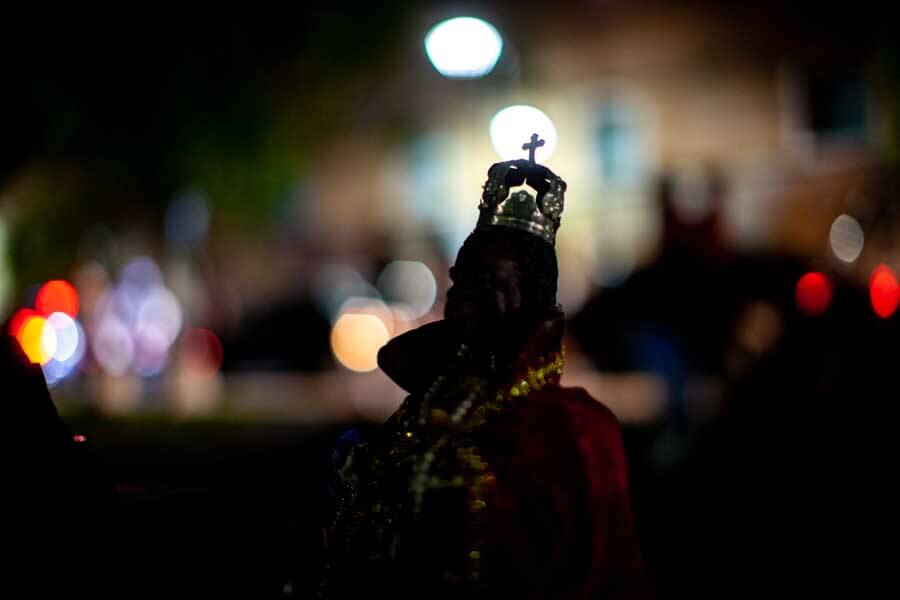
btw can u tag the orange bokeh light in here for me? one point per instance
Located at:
(884, 291)
(38, 339)
(356, 339)
(813, 293)
(57, 296)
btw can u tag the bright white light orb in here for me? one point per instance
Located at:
(67, 336)
(464, 47)
(846, 238)
(68, 330)
(512, 127)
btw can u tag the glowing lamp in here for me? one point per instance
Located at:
(463, 48)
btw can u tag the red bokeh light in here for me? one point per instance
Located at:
(57, 296)
(814, 291)
(884, 291)
(18, 319)
(201, 352)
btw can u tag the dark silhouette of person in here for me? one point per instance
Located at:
(52, 494)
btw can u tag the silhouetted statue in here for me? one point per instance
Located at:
(490, 480)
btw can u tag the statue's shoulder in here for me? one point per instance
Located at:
(579, 406)
(592, 429)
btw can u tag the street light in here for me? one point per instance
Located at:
(463, 47)
(515, 124)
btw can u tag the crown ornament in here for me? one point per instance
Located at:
(524, 195)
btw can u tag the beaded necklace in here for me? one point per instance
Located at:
(475, 471)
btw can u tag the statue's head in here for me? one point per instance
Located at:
(502, 278)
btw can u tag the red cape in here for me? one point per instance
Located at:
(563, 515)
(559, 522)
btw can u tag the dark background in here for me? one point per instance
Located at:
(759, 434)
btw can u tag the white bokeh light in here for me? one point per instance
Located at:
(846, 238)
(69, 351)
(159, 309)
(67, 357)
(512, 127)
(137, 322)
(335, 283)
(464, 47)
(151, 349)
(67, 335)
(113, 347)
(410, 283)
(49, 341)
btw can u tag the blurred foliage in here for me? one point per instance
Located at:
(105, 122)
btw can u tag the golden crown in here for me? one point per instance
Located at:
(523, 195)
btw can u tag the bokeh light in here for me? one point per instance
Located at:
(513, 126)
(411, 283)
(71, 347)
(846, 238)
(54, 372)
(463, 47)
(759, 327)
(67, 335)
(143, 310)
(159, 309)
(151, 350)
(813, 293)
(403, 319)
(18, 320)
(201, 352)
(141, 272)
(112, 346)
(335, 284)
(370, 306)
(884, 291)
(356, 339)
(57, 296)
(38, 339)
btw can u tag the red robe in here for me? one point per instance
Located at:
(558, 518)
(564, 516)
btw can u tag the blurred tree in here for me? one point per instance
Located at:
(106, 121)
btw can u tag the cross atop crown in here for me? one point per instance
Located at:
(523, 195)
(531, 146)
